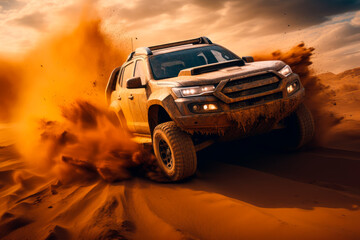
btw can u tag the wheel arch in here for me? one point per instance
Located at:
(115, 110)
(157, 114)
(110, 87)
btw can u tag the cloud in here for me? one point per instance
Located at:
(268, 16)
(34, 20)
(332, 26)
(356, 20)
(302, 13)
(340, 35)
(143, 9)
(10, 4)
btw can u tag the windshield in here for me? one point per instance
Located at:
(169, 65)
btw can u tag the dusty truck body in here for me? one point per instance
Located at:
(182, 96)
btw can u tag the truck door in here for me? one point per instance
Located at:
(123, 94)
(137, 100)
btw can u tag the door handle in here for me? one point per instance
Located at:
(131, 97)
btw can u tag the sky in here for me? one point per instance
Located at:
(246, 27)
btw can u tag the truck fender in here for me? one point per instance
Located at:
(167, 102)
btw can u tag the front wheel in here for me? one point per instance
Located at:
(300, 128)
(174, 151)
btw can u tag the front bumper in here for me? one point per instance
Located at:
(259, 117)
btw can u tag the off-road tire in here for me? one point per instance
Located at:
(182, 152)
(300, 128)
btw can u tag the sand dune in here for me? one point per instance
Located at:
(307, 195)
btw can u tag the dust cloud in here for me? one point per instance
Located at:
(55, 94)
(10, 80)
(319, 97)
(88, 143)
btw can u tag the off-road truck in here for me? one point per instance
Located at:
(183, 96)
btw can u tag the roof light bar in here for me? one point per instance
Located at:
(148, 50)
(200, 40)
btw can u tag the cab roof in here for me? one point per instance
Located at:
(170, 47)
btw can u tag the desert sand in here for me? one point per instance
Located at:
(312, 194)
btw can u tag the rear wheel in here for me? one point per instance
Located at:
(174, 151)
(300, 128)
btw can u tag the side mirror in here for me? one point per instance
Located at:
(134, 82)
(248, 59)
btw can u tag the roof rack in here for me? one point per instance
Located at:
(200, 40)
(148, 50)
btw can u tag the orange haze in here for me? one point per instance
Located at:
(63, 79)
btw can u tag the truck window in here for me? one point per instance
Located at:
(121, 74)
(140, 71)
(168, 65)
(127, 73)
(220, 56)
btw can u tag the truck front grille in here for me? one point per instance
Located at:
(252, 91)
(250, 79)
(249, 90)
(256, 101)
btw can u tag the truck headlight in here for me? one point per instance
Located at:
(285, 71)
(193, 91)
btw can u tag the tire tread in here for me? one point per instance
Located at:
(184, 153)
(306, 125)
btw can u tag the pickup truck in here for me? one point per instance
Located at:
(183, 96)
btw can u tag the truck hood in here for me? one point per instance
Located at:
(224, 73)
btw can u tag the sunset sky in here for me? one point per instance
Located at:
(246, 27)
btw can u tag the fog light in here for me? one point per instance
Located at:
(292, 87)
(203, 108)
(212, 106)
